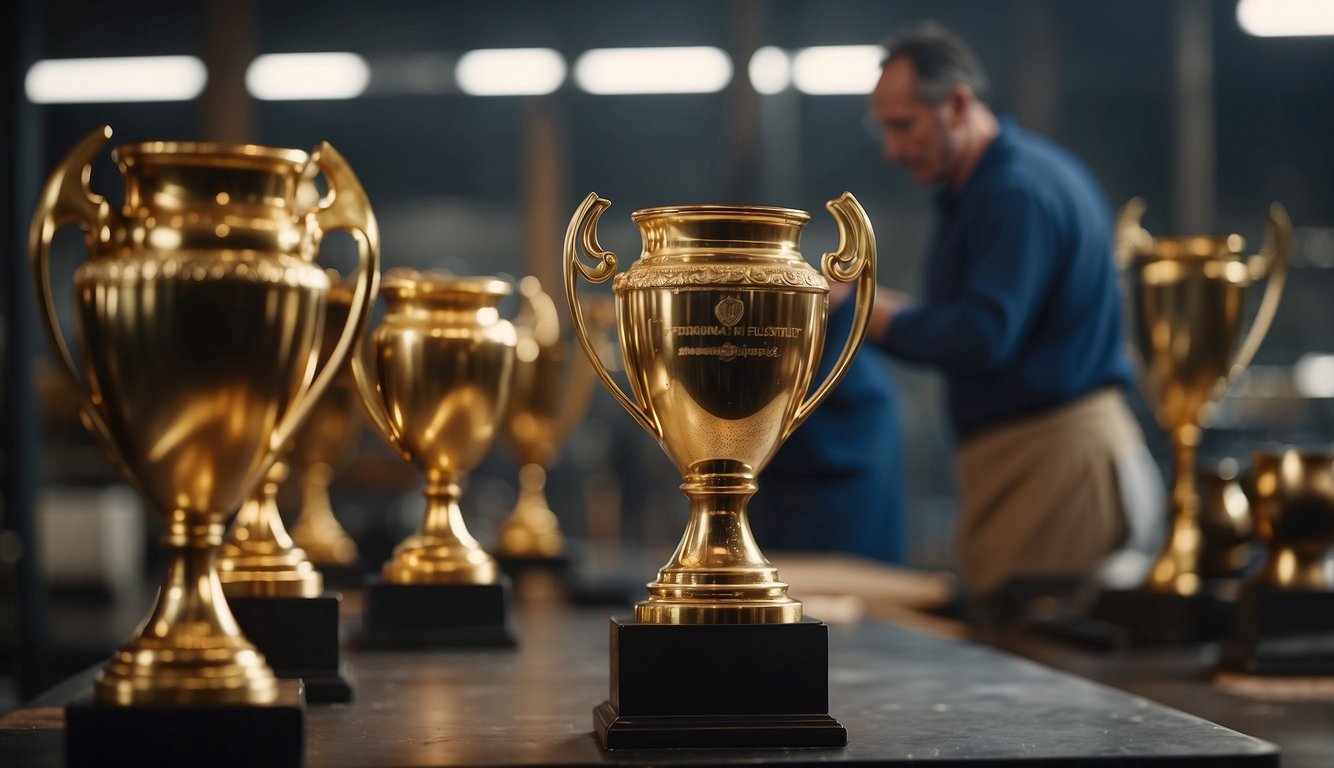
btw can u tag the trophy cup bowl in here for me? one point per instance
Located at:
(435, 391)
(321, 447)
(1292, 495)
(721, 324)
(199, 314)
(1187, 297)
(540, 416)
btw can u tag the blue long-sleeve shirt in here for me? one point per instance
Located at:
(1021, 310)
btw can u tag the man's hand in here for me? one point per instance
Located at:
(888, 303)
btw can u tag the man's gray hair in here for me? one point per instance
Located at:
(940, 59)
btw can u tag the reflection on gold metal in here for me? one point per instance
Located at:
(258, 558)
(1292, 494)
(721, 324)
(540, 417)
(1187, 305)
(1226, 526)
(325, 443)
(436, 388)
(199, 313)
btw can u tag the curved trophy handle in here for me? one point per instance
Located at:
(67, 199)
(854, 260)
(1130, 238)
(1272, 260)
(584, 223)
(346, 208)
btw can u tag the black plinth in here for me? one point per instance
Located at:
(1282, 632)
(299, 638)
(718, 685)
(343, 576)
(1165, 618)
(196, 736)
(424, 616)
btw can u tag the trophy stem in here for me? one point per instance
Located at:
(532, 529)
(1177, 567)
(258, 558)
(442, 552)
(317, 531)
(718, 574)
(189, 651)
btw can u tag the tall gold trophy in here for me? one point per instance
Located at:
(199, 314)
(721, 324)
(540, 417)
(1285, 615)
(1186, 301)
(435, 389)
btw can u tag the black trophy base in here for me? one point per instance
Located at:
(299, 639)
(343, 576)
(1165, 618)
(220, 736)
(1282, 632)
(718, 685)
(426, 616)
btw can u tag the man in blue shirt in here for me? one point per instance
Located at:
(1022, 314)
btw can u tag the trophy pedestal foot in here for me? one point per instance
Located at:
(1282, 632)
(1165, 618)
(299, 639)
(718, 685)
(202, 735)
(422, 616)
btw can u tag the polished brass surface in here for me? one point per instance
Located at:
(721, 325)
(198, 313)
(323, 445)
(549, 394)
(435, 389)
(1186, 309)
(1227, 529)
(1292, 493)
(258, 558)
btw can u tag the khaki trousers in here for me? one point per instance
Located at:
(1041, 495)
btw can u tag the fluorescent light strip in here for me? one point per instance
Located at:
(653, 70)
(510, 71)
(770, 70)
(837, 69)
(303, 76)
(1286, 18)
(96, 81)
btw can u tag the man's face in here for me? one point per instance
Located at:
(916, 132)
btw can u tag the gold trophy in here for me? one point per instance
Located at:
(721, 324)
(436, 389)
(258, 558)
(1285, 615)
(199, 314)
(540, 417)
(1187, 305)
(323, 445)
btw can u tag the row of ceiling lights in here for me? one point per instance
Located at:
(846, 69)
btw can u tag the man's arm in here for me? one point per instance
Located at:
(1003, 284)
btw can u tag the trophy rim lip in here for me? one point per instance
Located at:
(149, 151)
(406, 284)
(720, 211)
(1195, 247)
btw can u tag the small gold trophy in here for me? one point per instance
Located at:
(1285, 615)
(1185, 305)
(1186, 312)
(199, 314)
(258, 558)
(721, 324)
(540, 417)
(435, 389)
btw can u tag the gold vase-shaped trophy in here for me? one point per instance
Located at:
(199, 313)
(435, 389)
(1187, 299)
(321, 447)
(1292, 495)
(540, 417)
(721, 324)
